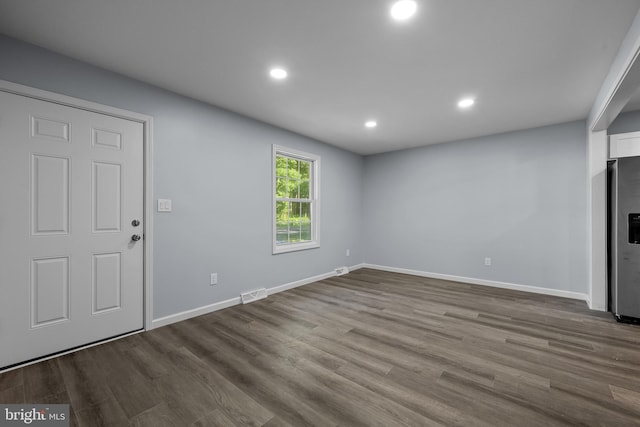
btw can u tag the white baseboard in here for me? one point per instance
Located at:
(188, 314)
(194, 312)
(357, 267)
(588, 300)
(199, 311)
(596, 307)
(301, 282)
(483, 282)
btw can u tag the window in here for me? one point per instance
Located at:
(296, 178)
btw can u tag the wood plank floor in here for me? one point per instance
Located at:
(366, 349)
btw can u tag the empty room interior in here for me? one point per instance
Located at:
(328, 213)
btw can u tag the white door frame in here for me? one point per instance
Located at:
(147, 123)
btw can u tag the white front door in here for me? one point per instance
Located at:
(71, 189)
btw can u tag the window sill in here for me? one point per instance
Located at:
(294, 247)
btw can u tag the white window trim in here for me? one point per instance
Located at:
(315, 198)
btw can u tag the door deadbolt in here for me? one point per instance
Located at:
(135, 222)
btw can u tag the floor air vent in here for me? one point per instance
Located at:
(252, 296)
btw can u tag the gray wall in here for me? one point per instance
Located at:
(625, 122)
(519, 198)
(215, 166)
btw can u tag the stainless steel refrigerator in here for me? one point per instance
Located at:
(624, 238)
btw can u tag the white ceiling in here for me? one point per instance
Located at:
(529, 63)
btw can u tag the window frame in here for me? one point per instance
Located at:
(314, 199)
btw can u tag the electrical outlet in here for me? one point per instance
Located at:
(164, 205)
(348, 252)
(214, 279)
(487, 261)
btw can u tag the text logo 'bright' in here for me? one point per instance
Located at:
(37, 415)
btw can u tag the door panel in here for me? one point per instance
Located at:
(49, 291)
(107, 197)
(50, 189)
(71, 182)
(107, 282)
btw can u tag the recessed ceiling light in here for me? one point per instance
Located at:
(466, 102)
(403, 9)
(278, 73)
(371, 124)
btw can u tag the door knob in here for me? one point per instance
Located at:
(136, 237)
(135, 222)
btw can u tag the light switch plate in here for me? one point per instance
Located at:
(164, 205)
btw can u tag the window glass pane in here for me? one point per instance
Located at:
(305, 230)
(304, 189)
(305, 168)
(294, 235)
(305, 210)
(281, 187)
(293, 188)
(305, 221)
(294, 212)
(282, 236)
(281, 166)
(282, 211)
(282, 223)
(294, 222)
(293, 170)
(294, 230)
